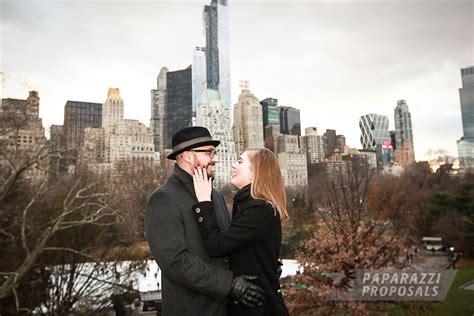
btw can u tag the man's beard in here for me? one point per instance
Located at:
(210, 172)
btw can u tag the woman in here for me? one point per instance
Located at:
(253, 239)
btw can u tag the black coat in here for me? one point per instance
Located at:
(252, 243)
(193, 283)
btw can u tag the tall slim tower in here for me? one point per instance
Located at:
(216, 21)
(112, 113)
(466, 96)
(403, 129)
(248, 123)
(157, 119)
(404, 152)
(199, 76)
(112, 109)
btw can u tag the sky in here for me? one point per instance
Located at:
(333, 60)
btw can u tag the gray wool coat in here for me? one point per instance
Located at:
(192, 282)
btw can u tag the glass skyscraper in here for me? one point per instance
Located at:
(403, 129)
(404, 149)
(290, 121)
(216, 21)
(466, 96)
(179, 103)
(375, 136)
(270, 111)
(77, 116)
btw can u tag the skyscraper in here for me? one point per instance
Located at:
(56, 144)
(214, 115)
(216, 21)
(248, 123)
(158, 104)
(179, 103)
(290, 121)
(199, 76)
(112, 109)
(119, 141)
(330, 142)
(22, 139)
(312, 145)
(375, 136)
(77, 116)
(112, 113)
(270, 115)
(404, 152)
(466, 96)
(270, 111)
(341, 143)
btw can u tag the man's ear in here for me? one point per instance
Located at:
(186, 157)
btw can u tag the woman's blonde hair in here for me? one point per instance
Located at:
(267, 183)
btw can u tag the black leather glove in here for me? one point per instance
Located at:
(246, 292)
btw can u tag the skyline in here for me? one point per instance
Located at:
(344, 59)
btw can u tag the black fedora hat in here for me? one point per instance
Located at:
(191, 137)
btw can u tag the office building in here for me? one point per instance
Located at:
(22, 139)
(199, 76)
(216, 22)
(158, 106)
(77, 116)
(213, 114)
(330, 142)
(179, 103)
(404, 151)
(466, 96)
(375, 136)
(290, 122)
(248, 123)
(312, 145)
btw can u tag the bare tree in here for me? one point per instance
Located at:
(84, 204)
(59, 234)
(345, 235)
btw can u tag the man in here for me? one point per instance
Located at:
(192, 282)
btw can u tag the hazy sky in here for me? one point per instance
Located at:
(334, 60)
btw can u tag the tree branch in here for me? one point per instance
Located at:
(73, 251)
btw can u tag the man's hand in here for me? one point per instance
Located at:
(246, 292)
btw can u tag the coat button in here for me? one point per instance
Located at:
(198, 210)
(199, 219)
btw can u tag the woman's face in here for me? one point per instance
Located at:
(241, 172)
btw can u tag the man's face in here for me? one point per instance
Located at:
(205, 157)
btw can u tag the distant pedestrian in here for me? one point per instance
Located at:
(432, 251)
(454, 260)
